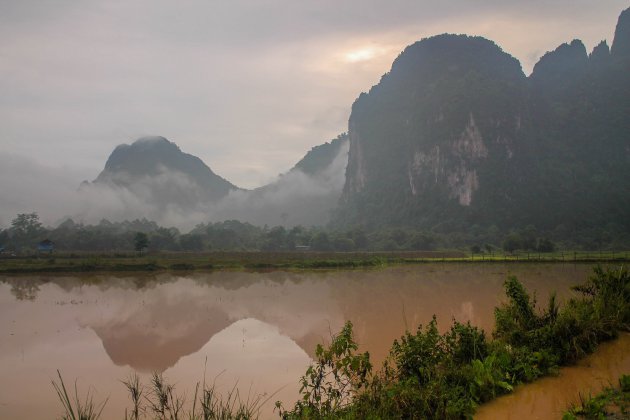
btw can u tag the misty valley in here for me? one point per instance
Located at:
(459, 250)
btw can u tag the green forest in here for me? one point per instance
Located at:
(26, 232)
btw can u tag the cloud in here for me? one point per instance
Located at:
(293, 199)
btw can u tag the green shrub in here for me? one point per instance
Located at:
(433, 375)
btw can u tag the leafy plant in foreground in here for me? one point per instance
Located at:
(337, 376)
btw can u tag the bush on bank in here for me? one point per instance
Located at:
(433, 375)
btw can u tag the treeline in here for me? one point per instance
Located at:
(26, 232)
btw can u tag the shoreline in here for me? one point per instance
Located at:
(73, 262)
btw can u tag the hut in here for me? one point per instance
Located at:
(45, 246)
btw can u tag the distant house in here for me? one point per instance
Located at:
(45, 246)
(302, 247)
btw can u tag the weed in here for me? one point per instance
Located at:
(610, 403)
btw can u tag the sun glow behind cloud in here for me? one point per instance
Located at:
(361, 54)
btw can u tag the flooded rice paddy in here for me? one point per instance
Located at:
(257, 331)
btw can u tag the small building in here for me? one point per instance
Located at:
(302, 248)
(45, 246)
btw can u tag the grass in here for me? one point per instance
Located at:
(73, 408)
(211, 261)
(134, 262)
(611, 403)
(159, 400)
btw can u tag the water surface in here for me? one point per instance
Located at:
(548, 398)
(257, 329)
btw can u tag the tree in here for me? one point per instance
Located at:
(26, 225)
(545, 245)
(512, 242)
(191, 242)
(422, 241)
(141, 241)
(321, 242)
(275, 239)
(343, 244)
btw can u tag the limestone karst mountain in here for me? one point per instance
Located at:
(456, 134)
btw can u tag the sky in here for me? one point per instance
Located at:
(248, 86)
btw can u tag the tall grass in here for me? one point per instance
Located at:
(73, 408)
(160, 401)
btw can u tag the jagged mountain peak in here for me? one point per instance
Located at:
(621, 45)
(600, 54)
(564, 62)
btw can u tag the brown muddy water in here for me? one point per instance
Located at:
(548, 398)
(255, 330)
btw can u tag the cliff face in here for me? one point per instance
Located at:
(455, 134)
(427, 138)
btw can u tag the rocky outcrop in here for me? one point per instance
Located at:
(565, 63)
(600, 55)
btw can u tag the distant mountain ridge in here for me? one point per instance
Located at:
(154, 156)
(164, 181)
(322, 156)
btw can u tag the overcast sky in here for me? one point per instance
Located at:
(248, 86)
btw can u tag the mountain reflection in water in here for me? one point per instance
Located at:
(259, 329)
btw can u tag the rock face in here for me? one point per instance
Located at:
(426, 137)
(455, 134)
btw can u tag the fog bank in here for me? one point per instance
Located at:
(171, 198)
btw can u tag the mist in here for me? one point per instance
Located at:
(171, 199)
